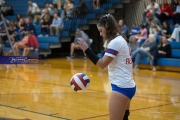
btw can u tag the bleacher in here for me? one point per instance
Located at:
(48, 43)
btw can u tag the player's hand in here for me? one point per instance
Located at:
(82, 44)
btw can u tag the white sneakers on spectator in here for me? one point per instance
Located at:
(154, 69)
(43, 35)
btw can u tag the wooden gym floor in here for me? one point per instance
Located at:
(42, 92)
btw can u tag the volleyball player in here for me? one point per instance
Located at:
(118, 59)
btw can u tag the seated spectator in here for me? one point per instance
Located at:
(56, 26)
(45, 24)
(153, 8)
(175, 35)
(154, 31)
(20, 45)
(9, 11)
(81, 9)
(4, 9)
(166, 11)
(96, 4)
(44, 11)
(28, 27)
(145, 51)
(123, 29)
(68, 8)
(133, 44)
(164, 51)
(32, 44)
(142, 35)
(176, 16)
(166, 31)
(18, 17)
(53, 11)
(21, 25)
(33, 10)
(13, 30)
(149, 18)
(75, 45)
(134, 29)
(58, 3)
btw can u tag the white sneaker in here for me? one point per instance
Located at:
(40, 35)
(154, 69)
(47, 35)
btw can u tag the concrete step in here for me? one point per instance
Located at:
(68, 39)
(118, 6)
(55, 45)
(92, 22)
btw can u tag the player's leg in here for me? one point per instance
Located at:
(117, 105)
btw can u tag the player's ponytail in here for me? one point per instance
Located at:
(111, 26)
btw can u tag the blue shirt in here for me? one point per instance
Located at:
(124, 30)
(135, 30)
(58, 22)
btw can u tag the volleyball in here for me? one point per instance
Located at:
(79, 82)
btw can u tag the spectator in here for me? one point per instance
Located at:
(57, 25)
(33, 9)
(96, 4)
(149, 18)
(164, 51)
(175, 35)
(58, 3)
(68, 7)
(154, 31)
(10, 11)
(53, 10)
(123, 29)
(133, 44)
(166, 11)
(145, 50)
(166, 31)
(81, 9)
(18, 17)
(134, 29)
(174, 4)
(28, 27)
(21, 25)
(153, 8)
(176, 16)
(1, 3)
(4, 9)
(13, 30)
(32, 44)
(45, 24)
(142, 35)
(74, 45)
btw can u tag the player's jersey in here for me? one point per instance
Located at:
(120, 69)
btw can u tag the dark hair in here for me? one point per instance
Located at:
(17, 17)
(111, 26)
(168, 27)
(142, 26)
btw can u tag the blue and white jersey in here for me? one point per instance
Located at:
(120, 69)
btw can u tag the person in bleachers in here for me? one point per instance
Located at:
(154, 31)
(144, 51)
(96, 4)
(32, 44)
(68, 8)
(13, 30)
(166, 11)
(4, 9)
(21, 25)
(142, 35)
(166, 31)
(53, 10)
(164, 51)
(81, 9)
(28, 26)
(18, 17)
(175, 35)
(134, 29)
(153, 8)
(33, 9)
(58, 3)
(123, 29)
(150, 17)
(176, 16)
(56, 26)
(45, 24)
(174, 4)
(1, 2)
(75, 45)
(133, 44)
(9, 11)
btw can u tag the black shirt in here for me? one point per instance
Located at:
(166, 49)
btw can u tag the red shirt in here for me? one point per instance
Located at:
(33, 42)
(167, 8)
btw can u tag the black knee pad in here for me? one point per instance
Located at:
(127, 113)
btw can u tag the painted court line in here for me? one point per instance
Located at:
(130, 110)
(49, 115)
